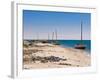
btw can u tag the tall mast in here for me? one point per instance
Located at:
(56, 34)
(81, 32)
(52, 36)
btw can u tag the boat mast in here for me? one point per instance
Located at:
(52, 36)
(56, 34)
(81, 32)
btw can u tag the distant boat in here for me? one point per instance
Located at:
(54, 38)
(81, 45)
(56, 42)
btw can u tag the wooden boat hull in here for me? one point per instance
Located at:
(80, 47)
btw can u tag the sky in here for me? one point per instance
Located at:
(41, 24)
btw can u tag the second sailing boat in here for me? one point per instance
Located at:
(80, 45)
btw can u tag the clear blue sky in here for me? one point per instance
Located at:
(41, 23)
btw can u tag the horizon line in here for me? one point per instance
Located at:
(55, 39)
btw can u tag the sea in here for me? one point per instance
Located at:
(72, 43)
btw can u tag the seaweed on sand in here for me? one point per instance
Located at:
(47, 59)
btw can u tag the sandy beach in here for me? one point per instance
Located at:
(46, 55)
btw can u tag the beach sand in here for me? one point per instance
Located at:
(46, 55)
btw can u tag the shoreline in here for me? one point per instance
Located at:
(46, 55)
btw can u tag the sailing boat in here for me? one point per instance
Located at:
(80, 45)
(56, 42)
(54, 38)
